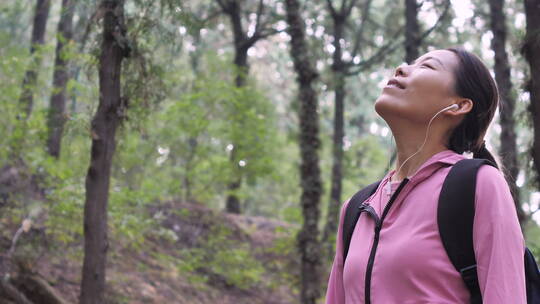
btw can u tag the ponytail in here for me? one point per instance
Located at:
(483, 152)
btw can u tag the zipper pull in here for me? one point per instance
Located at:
(369, 209)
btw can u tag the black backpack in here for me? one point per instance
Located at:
(456, 205)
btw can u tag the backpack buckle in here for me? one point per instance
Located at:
(468, 273)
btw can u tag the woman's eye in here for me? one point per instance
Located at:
(427, 65)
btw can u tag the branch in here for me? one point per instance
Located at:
(223, 6)
(441, 17)
(346, 10)
(264, 33)
(331, 8)
(25, 227)
(96, 15)
(260, 9)
(201, 22)
(386, 49)
(359, 34)
(261, 28)
(270, 32)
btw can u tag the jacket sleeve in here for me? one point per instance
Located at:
(335, 293)
(498, 241)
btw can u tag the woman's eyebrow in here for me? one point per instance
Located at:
(429, 57)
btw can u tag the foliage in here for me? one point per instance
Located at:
(222, 256)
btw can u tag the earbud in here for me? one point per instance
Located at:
(454, 106)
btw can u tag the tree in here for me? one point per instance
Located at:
(339, 19)
(111, 109)
(38, 37)
(508, 149)
(56, 118)
(530, 50)
(308, 243)
(242, 43)
(412, 31)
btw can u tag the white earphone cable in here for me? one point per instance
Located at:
(425, 139)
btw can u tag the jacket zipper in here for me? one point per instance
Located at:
(378, 225)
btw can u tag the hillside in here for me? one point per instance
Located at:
(199, 256)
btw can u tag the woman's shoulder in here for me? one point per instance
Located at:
(492, 191)
(490, 177)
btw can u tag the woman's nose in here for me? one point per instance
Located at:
(400, 70)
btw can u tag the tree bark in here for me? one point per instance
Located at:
(57, 117)
(104, 124)
(412, 31)
(334, 204)
(308, 243)
(41, 15)
(530, 50)
(508, 149)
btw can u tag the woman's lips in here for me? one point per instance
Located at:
(392, 86)
(395, 82)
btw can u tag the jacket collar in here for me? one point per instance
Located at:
(436, 161)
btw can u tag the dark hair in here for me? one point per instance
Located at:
(473, 80)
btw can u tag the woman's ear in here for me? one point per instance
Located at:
(465, 105)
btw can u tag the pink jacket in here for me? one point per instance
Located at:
(411, 265)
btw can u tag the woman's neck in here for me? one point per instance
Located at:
(415, 162)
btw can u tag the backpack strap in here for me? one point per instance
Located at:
(455, 216)
(532, 278)
(353, 212)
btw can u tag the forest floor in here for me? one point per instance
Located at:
(202, 256)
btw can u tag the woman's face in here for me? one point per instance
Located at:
(424, 88)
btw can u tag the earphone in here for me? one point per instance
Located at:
(454, 106)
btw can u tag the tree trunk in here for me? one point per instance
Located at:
(508, 149)
(308, 243)
(240, 61)
(232, 202)
(412, 31)
(242, 43)
(56, 118)
(104, 124)
(38, 37)
(530, 50)
(334, 204)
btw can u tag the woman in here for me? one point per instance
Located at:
(437, 108)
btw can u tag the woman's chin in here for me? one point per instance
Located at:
(385, 103)
(389, 106)
(388, 96)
